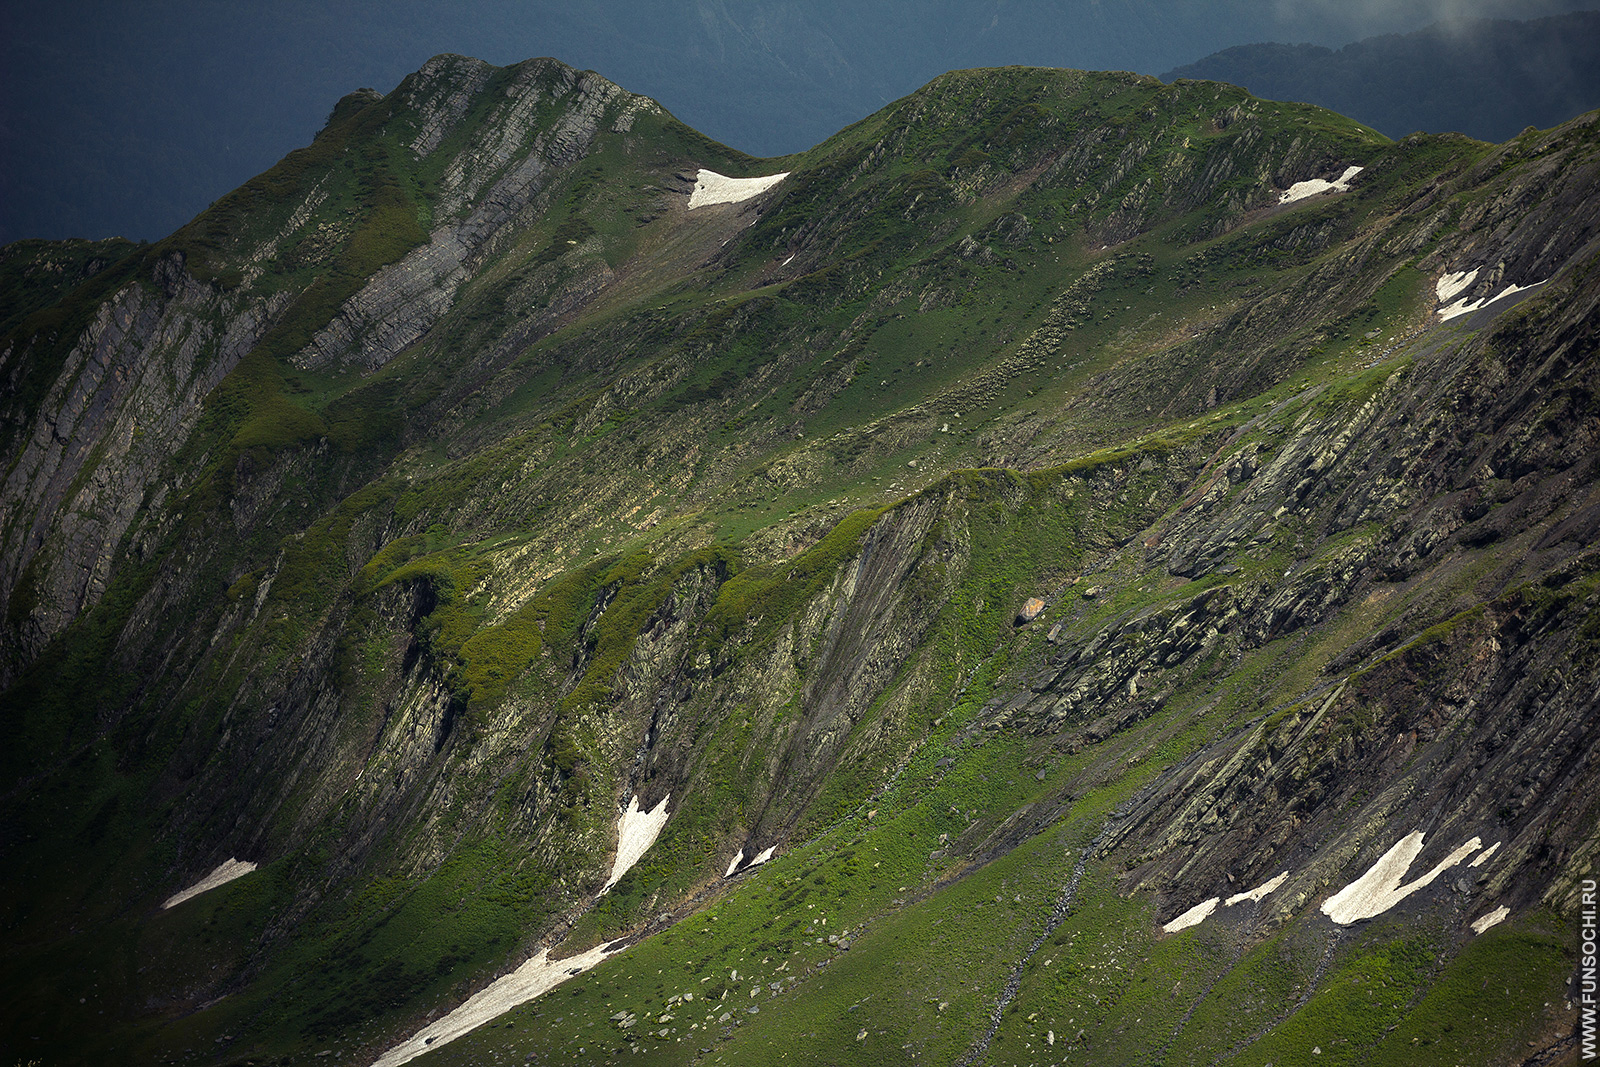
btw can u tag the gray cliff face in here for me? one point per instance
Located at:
(544, 121)
(127, 397)
(663, 731)
(1457, 719)
(1533, 221)
(99, 449)
(1448, 535)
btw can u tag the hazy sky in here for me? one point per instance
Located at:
(128, 116)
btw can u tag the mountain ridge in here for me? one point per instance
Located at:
(90, 159)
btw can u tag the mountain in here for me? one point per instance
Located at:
(1487, 78)
(128, 119)
(1068, 567)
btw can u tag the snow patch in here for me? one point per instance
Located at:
(538, 975)
(1494, 918)
(1318, 186)
(1201, 911)
(1479, 861)
(1379, 889)
(1451, 284)
(1464, 307)
(636, 831)
(1194, 916)
(1459, 308)
(1259, 891)
(1513, 290)
(224, 873)
(739, 863)
(713, 188)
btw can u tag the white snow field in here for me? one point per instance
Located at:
(1466, 307)
(1202, 911)
(1448, 286)
(1379, 889)
(1493, 918)
(738, 863)
(1259, 891)
(1484, 858)
(1318, 186)
(1194, 916)
(636, 832)
(538, 975)
(713, 188)
(224, 873)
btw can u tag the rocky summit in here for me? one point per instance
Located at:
(1071, 569)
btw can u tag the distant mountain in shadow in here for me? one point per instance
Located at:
(1488, 78)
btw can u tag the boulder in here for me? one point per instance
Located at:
(1030, 610)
